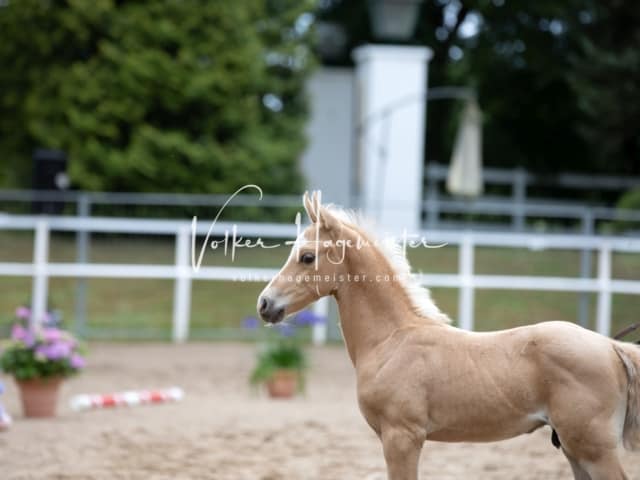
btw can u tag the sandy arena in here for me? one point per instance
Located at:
(223, 430)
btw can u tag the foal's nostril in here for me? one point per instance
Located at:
(264, 305)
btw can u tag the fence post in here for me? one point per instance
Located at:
(604, 290)
(433, 194)
(82, 257)
(39, 286)
(585, 268)
(466, 294)
(182, 287)
(319, 332)
(519, 194)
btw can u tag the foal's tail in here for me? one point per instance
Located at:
(630, 356)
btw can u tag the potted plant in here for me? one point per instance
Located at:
(282, 362)
(5, 419)
(39, 359)
(281, 366)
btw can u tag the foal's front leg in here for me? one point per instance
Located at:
(401, 453)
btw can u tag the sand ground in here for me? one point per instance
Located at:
(224, 431)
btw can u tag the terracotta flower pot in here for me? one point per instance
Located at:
(39, 396)
(283, 384)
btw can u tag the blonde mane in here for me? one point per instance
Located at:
(419, 296)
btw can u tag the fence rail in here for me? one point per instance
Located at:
(81, 198)
(513, 176)
(519, 206)
(466, 280)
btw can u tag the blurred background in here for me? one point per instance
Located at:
(508, 129)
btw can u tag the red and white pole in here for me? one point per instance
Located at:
(128, 398)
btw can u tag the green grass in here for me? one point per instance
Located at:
(143, 308)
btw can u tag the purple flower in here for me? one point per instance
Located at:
(52, 335)
(250, 323)
(52, 318)
(54, 351)
(24, 335)
(307, 317)
(18, 332)
(23, 313)
(42, 352)
(77, 361)
(286, 329)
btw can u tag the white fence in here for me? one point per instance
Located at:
(519, 206)
(466, 280)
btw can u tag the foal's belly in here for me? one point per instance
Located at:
(487, 430)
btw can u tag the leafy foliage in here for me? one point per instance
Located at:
(170, 95)
(281, 355)
(605, 74)
(630, 200)
(558, 82)
(49, 352)
(283, 349)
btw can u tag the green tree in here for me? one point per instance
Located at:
(518, 62)
(605, 75)
(558, 82)
(169, 95)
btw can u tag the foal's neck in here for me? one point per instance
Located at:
(372, 308)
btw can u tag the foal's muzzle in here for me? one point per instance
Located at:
(268, 310)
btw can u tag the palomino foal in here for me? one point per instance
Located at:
(421, 379)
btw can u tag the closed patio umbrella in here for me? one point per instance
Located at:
(465, 172)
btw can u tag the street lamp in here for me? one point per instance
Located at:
(394, 20)
(392, 93)
(389, 177)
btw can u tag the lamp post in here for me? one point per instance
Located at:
(391, 116)
(389, 163)
(394, 19)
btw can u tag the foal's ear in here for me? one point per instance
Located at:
(328, 220)
(309, 207)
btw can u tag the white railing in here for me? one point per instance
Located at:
(519, 206)
(466, 280)
(181, 272)
(604, 285)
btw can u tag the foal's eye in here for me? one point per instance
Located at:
(307, 258)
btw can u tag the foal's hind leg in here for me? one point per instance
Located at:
(606, 467)
(591, 434)
(594, 460)
(579, 473)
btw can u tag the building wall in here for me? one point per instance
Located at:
(327, 163)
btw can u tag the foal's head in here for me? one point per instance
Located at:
(314, 267)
